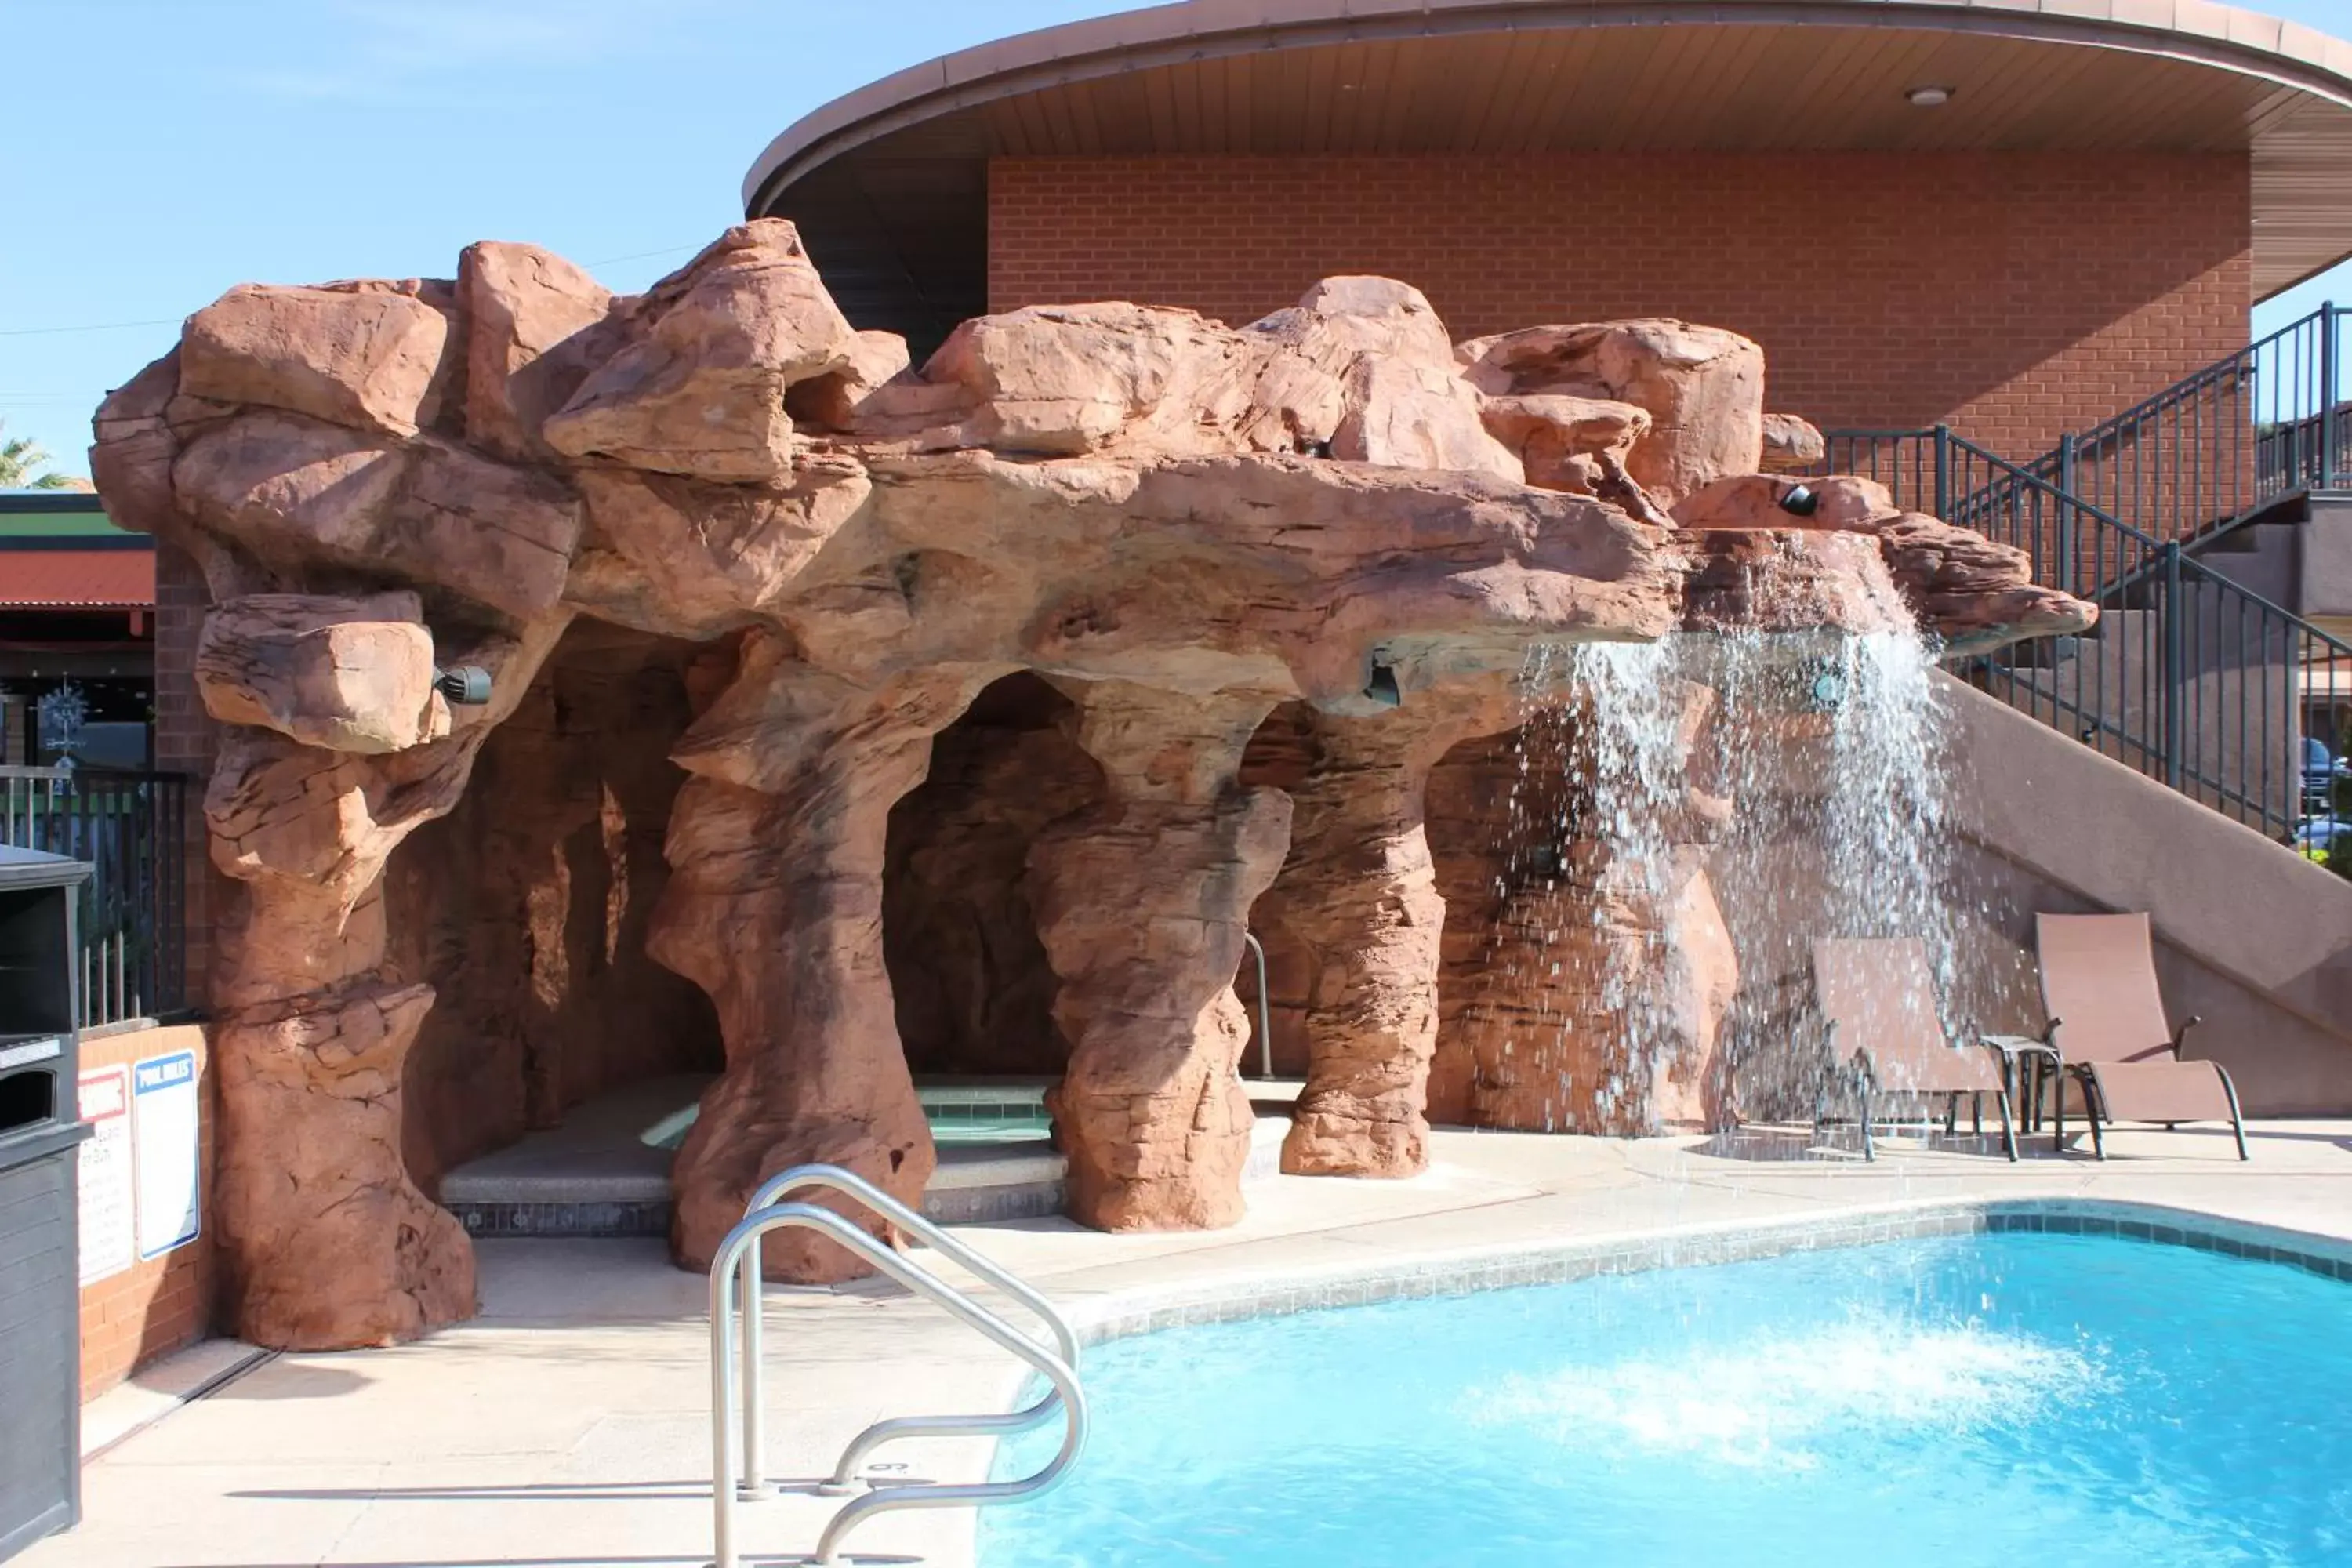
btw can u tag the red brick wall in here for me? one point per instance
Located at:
(2017, 295)
(152, 1308)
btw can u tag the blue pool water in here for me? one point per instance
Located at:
(1993, 1400)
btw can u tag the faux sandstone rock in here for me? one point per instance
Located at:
(348, 675)
(1791, 582)
(700, 389)
(1583, 987)
(334, 1244)
(1408, 415)
(1559, 440)
(1141, 903)
(833, 400)
(1973, 593)
(1791, 443)
(373, 360)
(1839, 504)
(1062, 380)
(431, 511)
(1356, 903)
(535, 327)
(1702, 387)
(130, 456)
(707, 555)
(778, 843)
(1358, 370)
(1171, 525)
(1378, 345)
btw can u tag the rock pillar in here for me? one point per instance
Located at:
(328, 1242)
(775, 908)
(1358, 896)
(1589, 968)
(1141, 902)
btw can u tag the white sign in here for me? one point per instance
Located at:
(109, 1234)
(163, 1128)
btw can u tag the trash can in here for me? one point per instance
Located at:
(40, 1126)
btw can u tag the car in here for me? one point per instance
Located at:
(2327, 833)
(2323, 774)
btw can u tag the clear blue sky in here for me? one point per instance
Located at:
(160, 150)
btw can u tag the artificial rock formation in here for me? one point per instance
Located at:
(1175, 524)
(1586, 970)
(1358, 904)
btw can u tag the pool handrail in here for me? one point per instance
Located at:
(834, 1178)
(1264, 1017)
(728, 1266)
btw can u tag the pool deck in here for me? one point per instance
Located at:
(568, 1426)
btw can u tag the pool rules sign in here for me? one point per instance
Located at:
(137, 1169)
(109, 1222)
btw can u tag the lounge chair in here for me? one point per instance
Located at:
(1879, 1000)
(2108, 1034)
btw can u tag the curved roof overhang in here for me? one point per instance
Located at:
(888, 182)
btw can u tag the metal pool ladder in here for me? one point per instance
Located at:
(735, 1391)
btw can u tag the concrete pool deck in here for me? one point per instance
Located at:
(568, 1426)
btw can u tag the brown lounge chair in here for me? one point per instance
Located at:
(2108, 1035)
(1879, 1002)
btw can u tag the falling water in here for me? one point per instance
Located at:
(1832, 756)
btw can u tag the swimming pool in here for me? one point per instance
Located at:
(1980, 1399)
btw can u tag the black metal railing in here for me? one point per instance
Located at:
(2213, 450)
(2191, 678)
(1943, 473)
(2215, 447)
(2195, 682)
(132, 830)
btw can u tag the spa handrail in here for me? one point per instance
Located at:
(834, 1178)
(724, 1270)
(1265, 1018)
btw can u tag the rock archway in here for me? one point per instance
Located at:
(973, 988)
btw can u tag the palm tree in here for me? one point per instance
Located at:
(19, 457)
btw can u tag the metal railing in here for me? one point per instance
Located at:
(732, 1280)
(1264, 1008)
(132, 830)
(2269, 421)
(2074, 546)
(2254, 428)
(2191, 678)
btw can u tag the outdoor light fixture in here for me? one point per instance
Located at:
(1929, 96)
(466, 685)
(1800, 501)
(1825, 690)
(1382, 688)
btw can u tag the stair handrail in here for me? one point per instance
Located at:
(2178, 733)
(754, 1484)
(2235, 363)
(726, 1269)
(2180, 730)
(1950, 458)
(2213, 472)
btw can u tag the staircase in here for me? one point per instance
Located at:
(2178, 517)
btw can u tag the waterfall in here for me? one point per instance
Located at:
(1831, 753)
